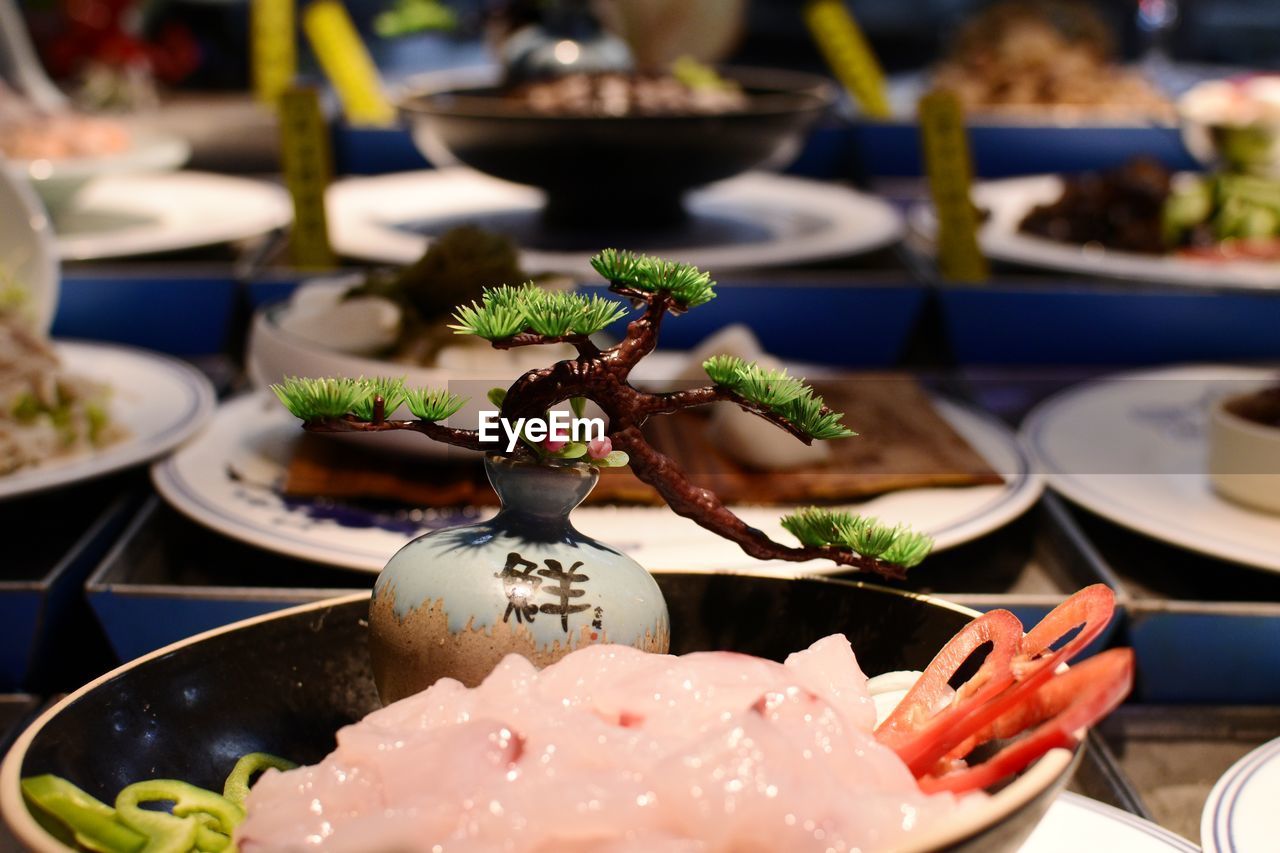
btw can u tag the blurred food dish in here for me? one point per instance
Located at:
(1142, 207)
(47, 413)
(59, 152)
(29, 133)
(120, 407)
(1135, 222)
(614, 94)
(643, 147)
(1235, 124)
(1135, 449)
(1053, 60)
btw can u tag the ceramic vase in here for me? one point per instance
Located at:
(454, 602)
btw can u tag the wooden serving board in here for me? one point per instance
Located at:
(902, 444)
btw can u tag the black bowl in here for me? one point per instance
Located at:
(620, 170)
(286, 682)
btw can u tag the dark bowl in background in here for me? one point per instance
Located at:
(286, 682)
(628, 169)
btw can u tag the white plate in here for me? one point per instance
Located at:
(161, 402)
(1074, 823)
(59, 180)
(1240, 816)
(28, 254)
(1009, 201)
(754, 220)
(120, 215)
(1132, 448)
(224, 479)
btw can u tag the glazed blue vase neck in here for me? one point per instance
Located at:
(537, 494)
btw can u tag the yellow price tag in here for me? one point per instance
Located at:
(847, 53)
(273, 48)
(945, 144)
(346, 62)
(308, 166)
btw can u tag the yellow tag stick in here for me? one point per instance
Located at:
(273, 48)
(945, 144)
(346, 62)
(847, 53)
(307, 164)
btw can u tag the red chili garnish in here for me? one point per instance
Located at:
(1065, 705)
(920, 708)
(1010, 691)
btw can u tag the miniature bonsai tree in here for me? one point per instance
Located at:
(525, 315)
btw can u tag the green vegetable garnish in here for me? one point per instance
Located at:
(197, 820)
(237, 784)
(26, 408)
(76, 817)
(183, 828)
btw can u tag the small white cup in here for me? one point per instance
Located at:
(1244, 458)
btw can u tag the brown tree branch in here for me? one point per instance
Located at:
(677, 401)
(704, 508)
(642, 333)
(582, 343)
(468, 439)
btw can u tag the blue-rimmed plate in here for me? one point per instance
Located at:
(1240, 815)
(1133, 448)
(228, 478)
(160, 402)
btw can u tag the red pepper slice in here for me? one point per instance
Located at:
(953, 733)
(920, 710)
(1062, 707)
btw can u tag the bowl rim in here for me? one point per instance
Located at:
(1229, 419)
(44, 295)
(796, 92)
(1040, 778)
(147, 151)
(266, 322)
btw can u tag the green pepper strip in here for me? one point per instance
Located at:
(237, 784)
(92, 823)
(208, 838)
(176, 832)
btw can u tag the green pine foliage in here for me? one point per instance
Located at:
(687, 285)
(724, 369)
(781, 394)
(506, 311)
(310, 399)
(314, 399)
(392, 392)
(433, 404)
(816, 526)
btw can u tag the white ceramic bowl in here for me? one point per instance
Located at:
(58, 181)
(28, 251)
(1244, 458)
